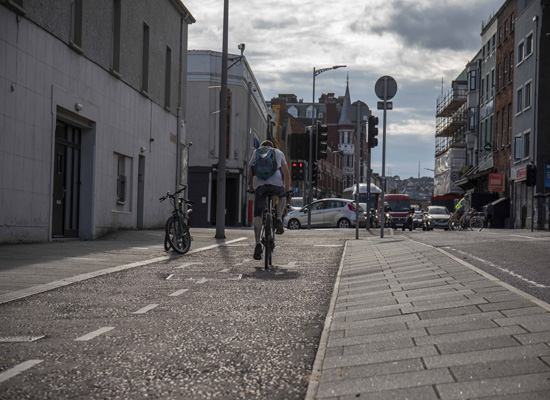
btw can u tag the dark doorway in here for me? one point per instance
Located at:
(66, 185)
(140, 192)
(232, 203)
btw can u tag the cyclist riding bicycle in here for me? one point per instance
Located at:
(462, 206)
(268, 172)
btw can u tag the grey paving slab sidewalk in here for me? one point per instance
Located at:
(409, 321)
(27, 269)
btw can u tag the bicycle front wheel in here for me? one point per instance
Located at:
(454, 224)
(178, 235)
(476, 223)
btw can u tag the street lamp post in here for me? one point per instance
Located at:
(221, 183)
(310, 163)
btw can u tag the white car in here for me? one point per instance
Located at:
(326, 213)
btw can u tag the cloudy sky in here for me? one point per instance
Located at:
(421, 43)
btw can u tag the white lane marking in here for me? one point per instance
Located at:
(188, 264)
(10, 373)
(327, 245)
(291, 264)
(217, 245)
(94, 334)
(201, 281)
(146, 309)
(505, 270)
(178, 292)
(244, 261)
(235, 278)
(140, 248)
(225, 270)
(525, 237)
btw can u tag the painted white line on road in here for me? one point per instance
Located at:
(178, 292)
(217, 245)
(505, 270)
(188, 264)
(327, 245)
(244, 261)
(201, 281)
(20, 294)
(291, 264)
(10, 373)
(169, 276)
(140, 248)
(225, 269)
(146, 309)
(94, 334)
(525, 237)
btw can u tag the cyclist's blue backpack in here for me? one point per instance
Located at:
(264, 165)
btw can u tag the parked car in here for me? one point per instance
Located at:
(417, 219)
(296, 203)
(436, 217)
(326, 213)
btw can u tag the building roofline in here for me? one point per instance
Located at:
(184, 12)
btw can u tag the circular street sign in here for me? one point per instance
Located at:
(391, 87)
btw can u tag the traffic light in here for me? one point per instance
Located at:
(373, 132)
(531, 175)
(297, 171)
(299, 146)
(322, 140)
(314, 173)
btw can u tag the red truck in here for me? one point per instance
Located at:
(399, 208)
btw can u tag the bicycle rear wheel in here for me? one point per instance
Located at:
(476, 223)
(178, 235)
(268, 239)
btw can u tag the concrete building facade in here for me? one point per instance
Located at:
(247, 127)
(88, 115)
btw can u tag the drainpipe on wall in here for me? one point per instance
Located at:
(179, 110)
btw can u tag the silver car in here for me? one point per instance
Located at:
(436, 217)
(326, 213)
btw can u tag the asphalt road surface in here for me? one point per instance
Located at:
(212, 324)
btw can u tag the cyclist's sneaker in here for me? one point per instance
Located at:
(258, 252)
(279, 228)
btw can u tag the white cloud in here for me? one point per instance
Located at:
(418, 42)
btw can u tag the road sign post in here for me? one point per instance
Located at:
(385, 89)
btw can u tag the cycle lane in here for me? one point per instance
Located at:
(209, 333)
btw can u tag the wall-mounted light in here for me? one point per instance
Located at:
(143, 149)
(78, 107)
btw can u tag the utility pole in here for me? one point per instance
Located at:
(222, 134)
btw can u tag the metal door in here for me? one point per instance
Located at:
(66, 185)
